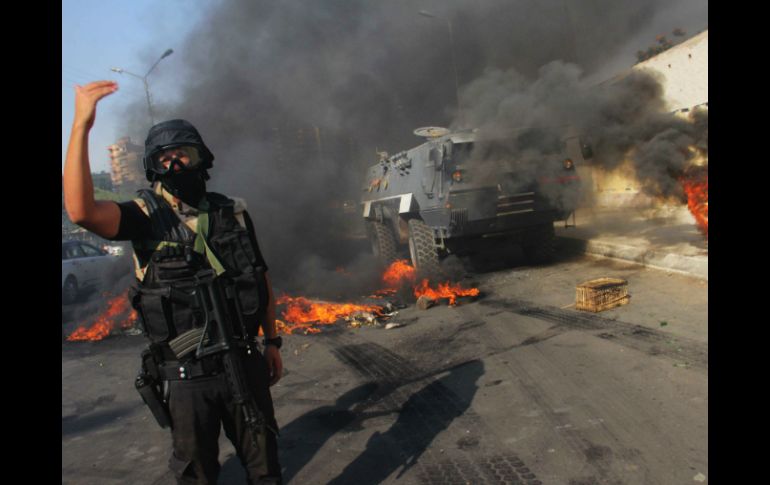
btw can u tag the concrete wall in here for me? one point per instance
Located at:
(683, 72)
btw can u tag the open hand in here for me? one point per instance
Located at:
(86, 98)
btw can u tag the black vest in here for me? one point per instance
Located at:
(172, 263)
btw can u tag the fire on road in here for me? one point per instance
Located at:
(501, 388)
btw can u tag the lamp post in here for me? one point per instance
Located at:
(425, 13)
(144, 80)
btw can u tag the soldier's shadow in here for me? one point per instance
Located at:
(421, 418)
(400, 446)
(301, 439)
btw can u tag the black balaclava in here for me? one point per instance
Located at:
(188, 184)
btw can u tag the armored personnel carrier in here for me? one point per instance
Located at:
(456, 189)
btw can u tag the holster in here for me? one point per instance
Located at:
(149, 385)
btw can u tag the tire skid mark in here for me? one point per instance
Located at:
(613, 430)
(429, 408)
(559, 422)
(361, 358)
(637, 337)
(597, 457)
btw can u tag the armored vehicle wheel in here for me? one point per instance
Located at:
(422, 249)
(540, 247)
(383, 242)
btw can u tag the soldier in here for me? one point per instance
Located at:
(179, 232)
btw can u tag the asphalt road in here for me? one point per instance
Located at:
(514, 387)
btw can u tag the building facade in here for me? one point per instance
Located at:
(126, 165)
(682, 71)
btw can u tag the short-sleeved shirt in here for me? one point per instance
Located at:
(135, 225)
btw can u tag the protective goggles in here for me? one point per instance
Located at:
(177, 158)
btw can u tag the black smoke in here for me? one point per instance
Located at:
(625, 120)
(294, 97)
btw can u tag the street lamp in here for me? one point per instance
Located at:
(144, 80)
(425, 13)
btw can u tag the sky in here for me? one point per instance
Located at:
(100, 34)
(295, 96)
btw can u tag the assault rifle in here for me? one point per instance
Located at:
(217, 301)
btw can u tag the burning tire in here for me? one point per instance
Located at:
(69, 292)
(541, 246)
(383, 242)
(422, 249)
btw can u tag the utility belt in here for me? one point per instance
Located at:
(172, 369)
(203, 351)
(156, 370)
(192, 369)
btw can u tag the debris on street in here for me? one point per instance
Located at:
(425, 302)
(132, 331)
(359, 318)
(601, 294)
(302, 348)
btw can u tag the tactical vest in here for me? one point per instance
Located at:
(176, 253)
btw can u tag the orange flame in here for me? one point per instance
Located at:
(444, 290)
(401, 273)
(398, 273)
(287, 329)
(697, 189)
(302, 313)
(108, 321)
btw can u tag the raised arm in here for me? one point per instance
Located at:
(101, 217)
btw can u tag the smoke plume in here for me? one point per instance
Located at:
(622, 121)
(294, 97)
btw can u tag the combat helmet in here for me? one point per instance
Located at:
(173, 134)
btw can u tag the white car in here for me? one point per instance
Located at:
(83, 266)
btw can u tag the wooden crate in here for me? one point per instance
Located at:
(601, 294)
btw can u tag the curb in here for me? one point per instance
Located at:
(697, 266)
